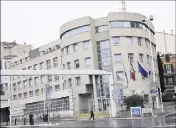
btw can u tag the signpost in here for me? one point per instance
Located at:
(47, 99)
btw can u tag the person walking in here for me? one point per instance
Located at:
(91, 114)
(31, 119)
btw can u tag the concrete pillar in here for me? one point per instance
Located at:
(95, 93)
(157, 101)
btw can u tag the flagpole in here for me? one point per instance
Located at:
(125, 72)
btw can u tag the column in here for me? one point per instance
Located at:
(95, 93)
(157, 101)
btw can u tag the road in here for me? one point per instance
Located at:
(167, 120)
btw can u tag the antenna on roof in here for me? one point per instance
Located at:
(123, 5)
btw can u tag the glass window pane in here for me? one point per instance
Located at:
(127, 24)
(117, 57)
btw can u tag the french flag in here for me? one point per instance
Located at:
(132, 72)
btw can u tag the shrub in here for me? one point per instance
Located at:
(134, 101)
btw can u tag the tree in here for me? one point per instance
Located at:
(161, 73)
(134, 101)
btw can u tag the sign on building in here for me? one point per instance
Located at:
(135, 111)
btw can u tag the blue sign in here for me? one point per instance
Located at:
(135, 111)
(154, 91)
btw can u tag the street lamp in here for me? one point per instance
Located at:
(147, 21)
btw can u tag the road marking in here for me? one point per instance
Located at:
(43, 125)
(170, 126)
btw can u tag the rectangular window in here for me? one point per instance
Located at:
(25, 84)
(35, 67)
(117, 24)
(66, 49)
(139, 41)
(69, 83)
(56, 78)
(75, 47)
(55, 62)
(19, 85)
(120, 76)
(147, 43)
(141, 57)
(42, 79)
(169, 79)
(41, 65)
(146, 99)
(127, 24)
(117, 58)
(131, 57)
(35, 80)
(78, 80)
(48, 64)
(168, 68)
(57, 87)
(37, 92)
(14, 97)
(115, 40)
(25, 94)
(148, 59)
(102, 28)
(30, 82)
(63, 66)
(14, 87)
(49, 78)
(129, 40)
(86, 44)
(30, 93)
(76, 63)
(68, 66)
(20, 96)
(87, 61)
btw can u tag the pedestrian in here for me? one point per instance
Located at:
(91, 114)
(31, 119)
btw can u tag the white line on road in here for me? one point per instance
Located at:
(43, 125)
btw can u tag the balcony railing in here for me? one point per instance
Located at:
(166, 72)
(171, 83)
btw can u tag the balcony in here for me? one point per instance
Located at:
(168, 73)
(171, 83)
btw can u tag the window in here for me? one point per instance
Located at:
(35, 80)
(14, 87)
(35, 67)
(41, 65)
(131, 57)
(19, 85)
(48, 64)
(148, 59)
(127, 24)
(20, 96)
(42, 79)
(168, 68)
(146, 98)
(55, 62)
(115, 40)
(86, 44)
(169, 79)
(141, 56)
(56, 78)
(88, 61)
(14, 97)
(30, 93)
(63, 66)
(75, 47)
(120, 76)
(49, 78)
(102, 28)
(117, 58)
(25, 94)
(78, 80)
(66, 49)
(129, 40)
(30, 67)
(37, 92)
(25, 84)
(68, 65)
(42, 91)
(30, 82)
(63, 86)
(57, 87)
(76, 63)
(69, 83)
(117, 24)
(147, 43)
(6, 85)
(139, 41)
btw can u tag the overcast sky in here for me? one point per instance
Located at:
(37, 22)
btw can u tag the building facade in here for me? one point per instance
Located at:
(169, 66)
(113, 43)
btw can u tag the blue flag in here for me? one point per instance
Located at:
(143, 72)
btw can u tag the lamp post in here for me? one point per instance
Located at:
(147, 21)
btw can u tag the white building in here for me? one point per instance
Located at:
(108, 43)
(165, 42)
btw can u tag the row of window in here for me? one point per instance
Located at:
(57, 87)
(44, 52)
(75, 31)
(87, 61)
(118, 58)
(129, 24)
(74, 47)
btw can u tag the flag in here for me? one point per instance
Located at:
(119, 75)
(125, 73)
(132, 72)
(143, 72)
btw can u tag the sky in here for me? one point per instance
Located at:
(37, 22)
